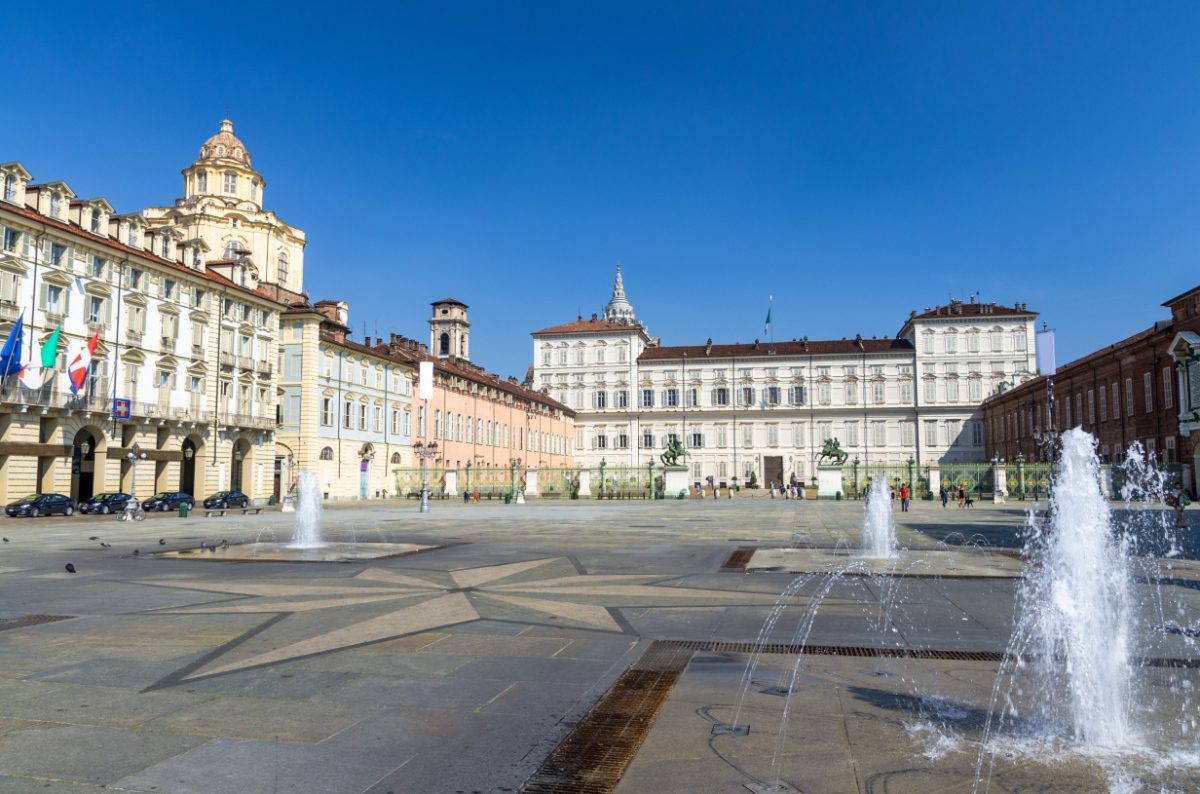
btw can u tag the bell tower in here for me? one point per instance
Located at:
(449, 330)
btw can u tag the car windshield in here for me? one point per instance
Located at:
(163, 495)
(31, 498)
(219, 494)
(100, 497)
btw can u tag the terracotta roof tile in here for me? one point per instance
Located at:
(830, 347)
(586, 326)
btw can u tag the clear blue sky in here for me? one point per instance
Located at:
(854, 160)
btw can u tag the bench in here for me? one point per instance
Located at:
(256, 506)
(219, 512)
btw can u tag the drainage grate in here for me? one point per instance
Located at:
(7, 624)
(889, 653)
(738, 559)
(593, 757)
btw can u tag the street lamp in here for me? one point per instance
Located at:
(514, 464)
(289, 500)
(134, 456)
(425, 452)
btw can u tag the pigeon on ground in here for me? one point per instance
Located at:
(224, 544)
(203, 545)
(104, 545)
(70, 568)
(162, 541)
(136, 552)
(94, 537)
(213, 549)
(6, 540)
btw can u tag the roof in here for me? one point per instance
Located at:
(451, 301)
(1180, 296)
(960, 309)
(830, 347)
(582, 326)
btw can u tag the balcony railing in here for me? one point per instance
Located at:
(245, 362)
(168, 344)
(198, 352)
(9, 310)
(133, 335)
(101, 400)
(95, 327)
(226, 358)
(247, 420)
(264, 367)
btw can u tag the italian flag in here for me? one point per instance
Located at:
(35, 377)
(81, 364)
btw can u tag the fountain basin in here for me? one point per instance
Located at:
(921, 562)
(283, 552)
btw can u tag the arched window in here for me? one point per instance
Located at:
(282, 267)
(444, 345)
(232, 250)
(202, 182)
(396, 458)
(327, 453)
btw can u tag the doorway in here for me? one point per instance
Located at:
(187, 468)
(83, 466)
(240, 450)
(773, 469)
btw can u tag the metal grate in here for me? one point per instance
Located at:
(738, 559)
(7, 624)
(593, 757)
(888, 653)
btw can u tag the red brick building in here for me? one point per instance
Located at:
(1126, 392)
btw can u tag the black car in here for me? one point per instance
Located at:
(168, 500)
(41, 504)
(105, 503)
(222, 500)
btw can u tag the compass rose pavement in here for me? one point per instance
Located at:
(311, 617)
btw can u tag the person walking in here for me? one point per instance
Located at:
(1178, 500)
(962, 497)
(904, 498)
(944, 494)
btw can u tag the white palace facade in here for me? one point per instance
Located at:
(768, 407)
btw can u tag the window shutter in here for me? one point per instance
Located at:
(42, 291)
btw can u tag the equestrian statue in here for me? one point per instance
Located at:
(833, 451)
(673, 453)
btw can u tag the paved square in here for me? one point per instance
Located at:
(462, 668)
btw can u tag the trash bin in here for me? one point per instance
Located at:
(184, 507)
(271, 500)
(507, 498)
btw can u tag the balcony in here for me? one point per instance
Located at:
(248, 420)
(198, 352)
(133, 335)
(9, 310)
(168, 344)
(94, 326)
(245, 362)
(264, 368)
(226, 358)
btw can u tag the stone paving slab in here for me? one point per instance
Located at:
(473, 705)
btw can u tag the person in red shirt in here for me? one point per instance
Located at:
(904, 498)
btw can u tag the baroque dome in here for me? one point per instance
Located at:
(225, 146)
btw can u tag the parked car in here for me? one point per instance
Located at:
(41, 504)
(222, 500)
(168, 500)
(105, 503)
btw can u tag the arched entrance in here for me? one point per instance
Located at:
(187, 466)
(241, 451)
(83, 464)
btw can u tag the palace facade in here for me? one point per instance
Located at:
(767, 408)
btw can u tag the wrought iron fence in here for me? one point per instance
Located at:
(1030, 480)
(856, 479)
(488, 480)
(622, 482)
(408, 481)
(975, 478)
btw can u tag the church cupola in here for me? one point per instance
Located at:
(223, 171)
(449, 330)
(619, 309)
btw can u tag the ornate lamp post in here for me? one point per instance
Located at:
(911, 483)
(854, 463)
(519, 492)
(134, 456)
(1021, 474)
(425, 452)
(603, 463)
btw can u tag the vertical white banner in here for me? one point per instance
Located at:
(425, 385)
(1045, 352)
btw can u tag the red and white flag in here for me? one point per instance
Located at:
(77, 370)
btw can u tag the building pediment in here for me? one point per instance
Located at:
(13, 264)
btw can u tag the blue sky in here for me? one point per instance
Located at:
(854, 160)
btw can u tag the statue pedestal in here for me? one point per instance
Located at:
(675, 479)
(829, 482)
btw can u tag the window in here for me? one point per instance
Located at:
(852, 434)
(58, 252)
(362, 417)
(879, 431)
(546, 357)
(327, 453)
(1091, 407)
(647, 439)
(927, 342)
(621, 398)
(600, 442)
(12, 238)
(562, 356)
(877, 393)
(1020, 342)
(975, 390)
(931, 434)
(230, 183)
(600, 355)
(622, 441)
(54, 299)
(747, 395)
(973, 342)
(720, 396)
(906, 434)
(1148, 389)
(1103, 404)
(906, 392)
(952, 390)
(977, 433)
(378, 419)
(1116, 402)
(772, 395)
(99, 267)
(647, 398)
(95, 309)
(772, 435)
(1129, 396)
(825, 431)
(799, 395)
(1168, 392)
(747, 435)
(1079, 408)
(348, 415)
(579, 355)
(929, 390)
(722, 439)
(132, 236)
(327, 411)
(95, 222)
(951, 342)
(10, 187)
(55, 205)
(671, 398)
(169, 288)
(692, 397)
(823, 393)
(599, 399)
(281, 267)
(997, 341)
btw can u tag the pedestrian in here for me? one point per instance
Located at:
(1178, 500)
(771, 488)
(892, 492)
(466, 495)
(962, 497)
(944, 494)
(904, 498)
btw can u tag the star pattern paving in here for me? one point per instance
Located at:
(380, 604)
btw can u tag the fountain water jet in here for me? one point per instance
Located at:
(307, 532)
(879, 525)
